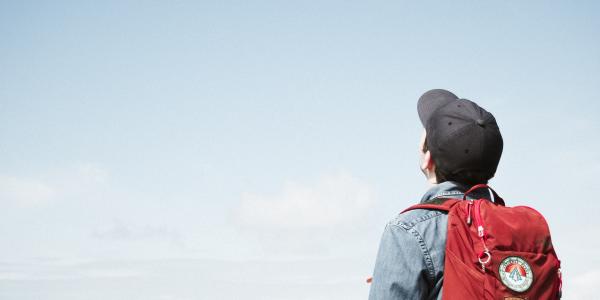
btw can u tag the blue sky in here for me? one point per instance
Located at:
(201, 139)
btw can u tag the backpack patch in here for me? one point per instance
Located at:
(515, 273)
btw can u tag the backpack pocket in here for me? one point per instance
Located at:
(524, 275)
(456, 274)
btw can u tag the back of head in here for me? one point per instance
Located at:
(463, 138)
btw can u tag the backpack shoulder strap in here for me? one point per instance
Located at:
(443, 204)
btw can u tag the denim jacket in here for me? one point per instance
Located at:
(410, 261)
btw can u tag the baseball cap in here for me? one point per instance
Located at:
(461, 135)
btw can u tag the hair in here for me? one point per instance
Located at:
(466, 177)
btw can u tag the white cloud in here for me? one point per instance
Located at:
(111, 273)
(121, 231)
(91, 172)
(184, 278)
(40, 189)
(332, 200)
(25, 191)
(582, 286)
(36, 270)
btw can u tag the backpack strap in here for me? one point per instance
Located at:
(493, 195)
(443, 204)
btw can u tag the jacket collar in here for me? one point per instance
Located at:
(452, 189)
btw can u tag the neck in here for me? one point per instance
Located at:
(431, 178)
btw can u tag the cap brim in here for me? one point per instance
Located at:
(431, 101)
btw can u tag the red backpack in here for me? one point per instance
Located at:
(497, 252)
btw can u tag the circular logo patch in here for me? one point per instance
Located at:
(515, 273)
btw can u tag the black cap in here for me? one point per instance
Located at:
(460, 134)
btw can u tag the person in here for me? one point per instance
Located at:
(461, 146)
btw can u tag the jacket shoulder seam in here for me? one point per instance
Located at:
(409, 227)
(408, 224)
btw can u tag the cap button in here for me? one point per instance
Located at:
(480, 122)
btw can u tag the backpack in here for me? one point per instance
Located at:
(496, 252)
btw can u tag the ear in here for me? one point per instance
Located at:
(427, 163)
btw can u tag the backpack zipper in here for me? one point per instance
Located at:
(479, 221)
(484, 256)
(469, 205)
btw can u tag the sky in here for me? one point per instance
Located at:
(256, 149)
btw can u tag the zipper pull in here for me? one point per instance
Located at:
(469, 205)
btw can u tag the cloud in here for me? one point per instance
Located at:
(55, 269)
(25, 191)
(40, 189)
(184, 278)
(92, 173)
(111, 273)
(582, 286)
(332, 200)
(121, 231)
